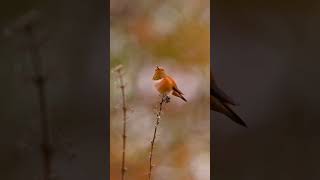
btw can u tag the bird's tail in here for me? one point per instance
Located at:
(233, 116)
(183, 98)
(223, 108)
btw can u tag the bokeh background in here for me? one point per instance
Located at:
(176, 36)
(266, 56)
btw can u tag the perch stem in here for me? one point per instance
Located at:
(40, 83)
(124, 136)
(163, 100)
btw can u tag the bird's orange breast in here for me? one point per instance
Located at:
(165, 85)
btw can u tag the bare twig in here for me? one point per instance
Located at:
(40, 81)
(164, 99)
(124, 110)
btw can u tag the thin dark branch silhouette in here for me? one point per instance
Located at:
(118, 69)
(40, 82)
(164, 99)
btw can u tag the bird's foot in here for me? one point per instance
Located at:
(166, 99)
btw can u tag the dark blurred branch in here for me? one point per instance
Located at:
(164, 99)
(124, 110)
(40, 82)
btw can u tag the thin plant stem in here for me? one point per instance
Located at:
(165, 99)
(40, 81)
(124, 130)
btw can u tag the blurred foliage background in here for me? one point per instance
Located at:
(174, 35)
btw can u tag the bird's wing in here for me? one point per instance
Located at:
(175, 93)
(174, 86)
(219, 94)
(219, 102)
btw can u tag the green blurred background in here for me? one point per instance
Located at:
(174, 35)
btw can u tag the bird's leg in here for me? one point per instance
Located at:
(166, 99)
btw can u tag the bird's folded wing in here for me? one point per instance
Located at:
(175, 88)
(219, 94)
(174, 85)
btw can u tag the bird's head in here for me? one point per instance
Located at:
(159, 73)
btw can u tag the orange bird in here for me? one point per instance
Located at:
(220, 102)
(166, 84)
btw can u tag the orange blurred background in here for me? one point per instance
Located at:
(174, 35)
